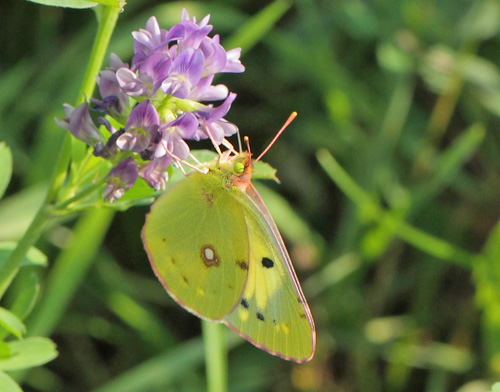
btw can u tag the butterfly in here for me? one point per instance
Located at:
(214, 246)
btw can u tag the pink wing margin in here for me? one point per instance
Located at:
(254, 196)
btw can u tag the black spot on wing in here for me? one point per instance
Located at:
(260, 316)
(185, 279)
(268, 263)
(244, 303)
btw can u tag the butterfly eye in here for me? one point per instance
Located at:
(239, 167)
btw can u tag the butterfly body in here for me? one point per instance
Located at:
(215, 248)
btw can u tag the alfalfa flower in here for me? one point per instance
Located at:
(149, 109)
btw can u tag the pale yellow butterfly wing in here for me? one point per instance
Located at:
(272, 313)
(196, 239)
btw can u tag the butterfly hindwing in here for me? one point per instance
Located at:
(272, 313)
(196, 239)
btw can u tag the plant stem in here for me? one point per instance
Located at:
(214, 339)
(107, 23)
(419, 239)
(11, 267)
(43, 216)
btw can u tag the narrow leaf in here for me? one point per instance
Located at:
(264, 171)
(79, 4)
(163, 370)
(25, 295)
(28, 353)
(486, 277)
(11, 323)
(34, 257)
(257, 27)
(7, 384)
(5, 350)
(6, 165)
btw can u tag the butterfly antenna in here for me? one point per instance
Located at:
(246, 139)
(239, 140)
(286, 124)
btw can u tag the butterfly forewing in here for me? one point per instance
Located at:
(272, 312)
(197, 242)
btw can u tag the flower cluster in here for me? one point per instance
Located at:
(150, 108)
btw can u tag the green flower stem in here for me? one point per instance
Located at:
(107, 23)
(440, 119)
(9, 271)
(371, 209)
(60, 208)
(214, 338)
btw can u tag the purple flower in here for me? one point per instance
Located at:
(151, 40)
(108, 149)
(204, 91)
(156, 103)
(190, 34)
(214, 54)
(142, 126)
(114, 100)
(154, 173)
(120, 179)
(151, 73)
(80, 124)
(213, 125)
(233, 63)
(185, 73)
(172, 135)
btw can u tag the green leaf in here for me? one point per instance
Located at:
(11, 323)
(486, 278)
(264, 171)
(481, 22)
(257, 27)
(66, 3)
(28, 353)
(33, 257)
(25, 294)
(495, 387)
(290, 223)
(79, 4)
(163, 370)
(6, 165)
(5, 350)
(17, 211)
(393, 58)
(7, 384)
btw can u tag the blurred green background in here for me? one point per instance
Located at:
(388, 202)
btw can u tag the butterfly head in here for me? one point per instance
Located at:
(238, 166)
